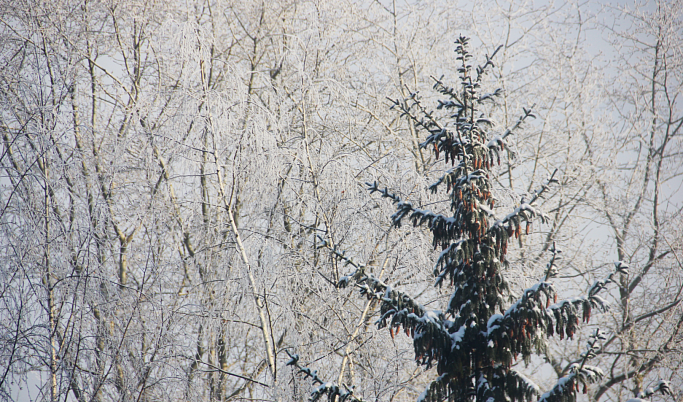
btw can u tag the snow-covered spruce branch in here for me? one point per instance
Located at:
(565, 312)
(440, 87)
(662, 386)
(332, 390)
(466, 148)
(451, 92)
(526, 211)
(340, 255)
(551, 268)
(545, 187)
(458, 252)
(471, 219)
(566, 388)
(521, 384)
(428, 121)
(517, 384)
(372, 287)
(429, 329)
(437, 390)
(444, 228)
(516, 330)
(453, 146)
(462, 175)
(468, 142)
(532, 317)
(372, 187)
(579, 375)
(527, 113)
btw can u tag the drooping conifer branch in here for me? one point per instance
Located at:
(663, 387)
(580, 375)
(332, 390)
(429, 329)
(531, 319)
(472, 204)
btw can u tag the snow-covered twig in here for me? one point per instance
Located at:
(333, 391)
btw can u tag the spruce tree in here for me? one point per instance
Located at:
(485, 326)
(475, 340)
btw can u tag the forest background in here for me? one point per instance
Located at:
(177, 175)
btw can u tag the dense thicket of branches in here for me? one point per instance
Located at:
(179, 180)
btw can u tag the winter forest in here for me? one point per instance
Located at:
(218, 200)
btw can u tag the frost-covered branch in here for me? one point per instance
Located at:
(579, 376)
(332, 390)
(429, 329)
(532, 317)
(565, 312)
(520, 120)
(566, 388)
(428, 122)
(662, 386)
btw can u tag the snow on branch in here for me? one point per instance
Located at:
(565, 312)
(372, 187)
(522, 324)
(580, 374)
(333, 391)
(428, 122)
(498, 143)
(525, 211)
(471, 190)
(519, 384)
(527, 114)
(429, 329)
(438, 390)
(532, 318)
(469, 219)
(567, 386)
(662, 386)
